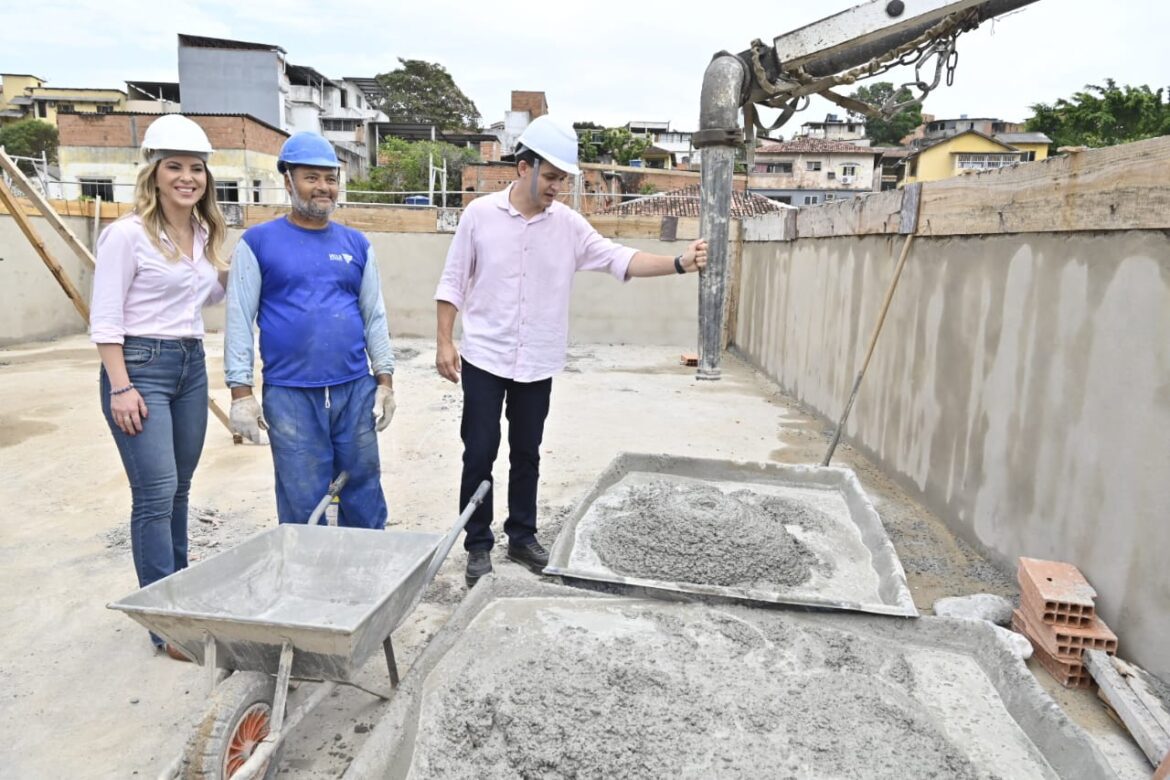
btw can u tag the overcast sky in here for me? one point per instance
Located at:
(602, 61)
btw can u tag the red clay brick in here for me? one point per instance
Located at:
(1056, 592)
(1070, 674)
(1068, 642)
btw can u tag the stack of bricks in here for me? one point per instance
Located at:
(1058, 616)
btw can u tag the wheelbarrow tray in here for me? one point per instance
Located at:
(333, 593)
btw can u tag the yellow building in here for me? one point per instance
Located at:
(26, 97)
(973, 151)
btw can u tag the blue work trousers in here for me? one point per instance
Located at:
(171, 377)
(316, 433)
(525, 404)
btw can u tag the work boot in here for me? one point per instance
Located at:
(479, 563)
(532, 556)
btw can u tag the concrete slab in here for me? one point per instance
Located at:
(781, 534)
(537, 680)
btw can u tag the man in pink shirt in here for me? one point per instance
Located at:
(510, 273)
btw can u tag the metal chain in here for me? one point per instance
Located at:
(937, 43)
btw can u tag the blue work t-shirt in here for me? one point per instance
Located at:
(311, 328)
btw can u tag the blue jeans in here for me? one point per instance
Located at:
(316, 433)
(171, 377)
(525, 404)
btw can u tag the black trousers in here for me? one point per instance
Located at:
(526, 406)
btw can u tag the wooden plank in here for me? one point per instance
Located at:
(1124, 187)
(22, 220)
(872, 214)
(1137, 679)
(47, 211)
(1146, 731)
(622, 226)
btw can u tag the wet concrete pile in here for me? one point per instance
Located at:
(580, 688)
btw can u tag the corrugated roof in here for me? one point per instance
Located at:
(1023, 138)
(203, 42)
(684, 202)
(814, 146)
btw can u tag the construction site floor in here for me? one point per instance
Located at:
(86, 696)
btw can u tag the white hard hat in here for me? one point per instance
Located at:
(172, 134)
(554, 141)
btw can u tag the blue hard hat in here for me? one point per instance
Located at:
(306, 149)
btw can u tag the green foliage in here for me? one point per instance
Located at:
(647, 189)
(425, 92)
(406, 169)
(588, 141)
(1103, 116)
(623, 145)
(29, 138)
(595, 142)
(888, 132)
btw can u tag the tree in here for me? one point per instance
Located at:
(588, 141)
(623, 145)
(406, 168)
(891, 131)
(29, 138)
(424, 92)
(1103, 116)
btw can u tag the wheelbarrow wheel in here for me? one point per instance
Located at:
(238, 717)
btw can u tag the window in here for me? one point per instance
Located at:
(784, 167)
(256, 184)
(831, 175)
(811, 200)
(42, 109)
(344, 99)
(98, 188)
(227, 192)
(65, 107)
(812, 165)
(340, 125)
(830, 197)
(849, 169)
(982, 162)
(1027, 156)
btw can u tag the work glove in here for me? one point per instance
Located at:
(246, 418)
(384, 407)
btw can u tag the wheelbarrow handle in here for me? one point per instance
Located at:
(452, 536)
(334, 488)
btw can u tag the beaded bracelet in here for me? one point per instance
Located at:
(120, 390)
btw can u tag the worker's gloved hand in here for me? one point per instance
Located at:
(384, 407)
(247, 419)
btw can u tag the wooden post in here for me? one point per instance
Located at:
(47, 211)
(17, 211)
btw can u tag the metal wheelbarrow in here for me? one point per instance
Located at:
(296, 602)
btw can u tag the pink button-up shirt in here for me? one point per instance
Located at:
(511, 279)
(139, 292)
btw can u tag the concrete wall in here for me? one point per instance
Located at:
(33, 306)
(1021, 386)
(642, 311)
(231, 81)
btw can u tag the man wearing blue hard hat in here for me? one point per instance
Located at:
(312, 287)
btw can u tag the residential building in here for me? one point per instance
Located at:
(686, 202)
(526, 106)
(972, 150)
(669, 148)
(100, 154)
(808, 171)
(937, 129)
(239, 77)
(25, 96)
(153, 97)
(835, 129)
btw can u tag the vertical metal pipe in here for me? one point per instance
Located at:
(718, 170)
(724, 86)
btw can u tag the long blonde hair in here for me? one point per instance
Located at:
(148, 209)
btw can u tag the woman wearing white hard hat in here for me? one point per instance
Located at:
(156, 269)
